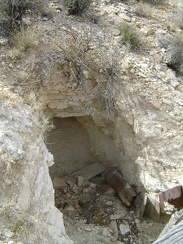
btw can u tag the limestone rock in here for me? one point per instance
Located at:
(113, 226)
(124, 229)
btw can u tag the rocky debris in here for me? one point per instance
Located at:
(93, 211)
(122, 188)
(124, 229)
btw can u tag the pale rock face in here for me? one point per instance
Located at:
(26, 185)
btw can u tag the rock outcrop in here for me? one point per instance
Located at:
(27, 211)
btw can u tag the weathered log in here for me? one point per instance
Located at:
(121, 187)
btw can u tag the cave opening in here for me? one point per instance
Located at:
(83, 195)
(82, 151)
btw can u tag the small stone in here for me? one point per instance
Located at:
(70, 183)
(80, 181)
(88, 229)
(180, 103)
(115, 216)
(75, 188)
(86, 184)
(69, 210)
(107, 232)
(3, 42)
(116, 32)
(125, 229)
(124, 17)
(174, 83)
(93, 185)
(53, 104)
(59, 183)
(113, 226)
(8, 233)
(86, 190)
(26, 21)
(137, 221)
(109, 203)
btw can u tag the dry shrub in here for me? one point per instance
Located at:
(143, 10)
(22, 41)
(176, 62)
(77, 62)
(93, 72)
(25, 39)
(76, 7)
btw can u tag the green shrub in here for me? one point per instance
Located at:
(129, 36)
(76, 7)
(176, 62)
(12, 11)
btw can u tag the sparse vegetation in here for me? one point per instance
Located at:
(12, 11)
(25, 39)
(176, 62)
(143, 10)
(22, 41)
(92, 73)
(156, 2)
(129, 36)
(76, 7)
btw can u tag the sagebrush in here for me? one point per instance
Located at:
(129, 36)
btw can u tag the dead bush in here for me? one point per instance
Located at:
(143, 10)
(82, 66)
(22, 41)
(76, 7)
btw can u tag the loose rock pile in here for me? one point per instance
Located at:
(94, 214)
